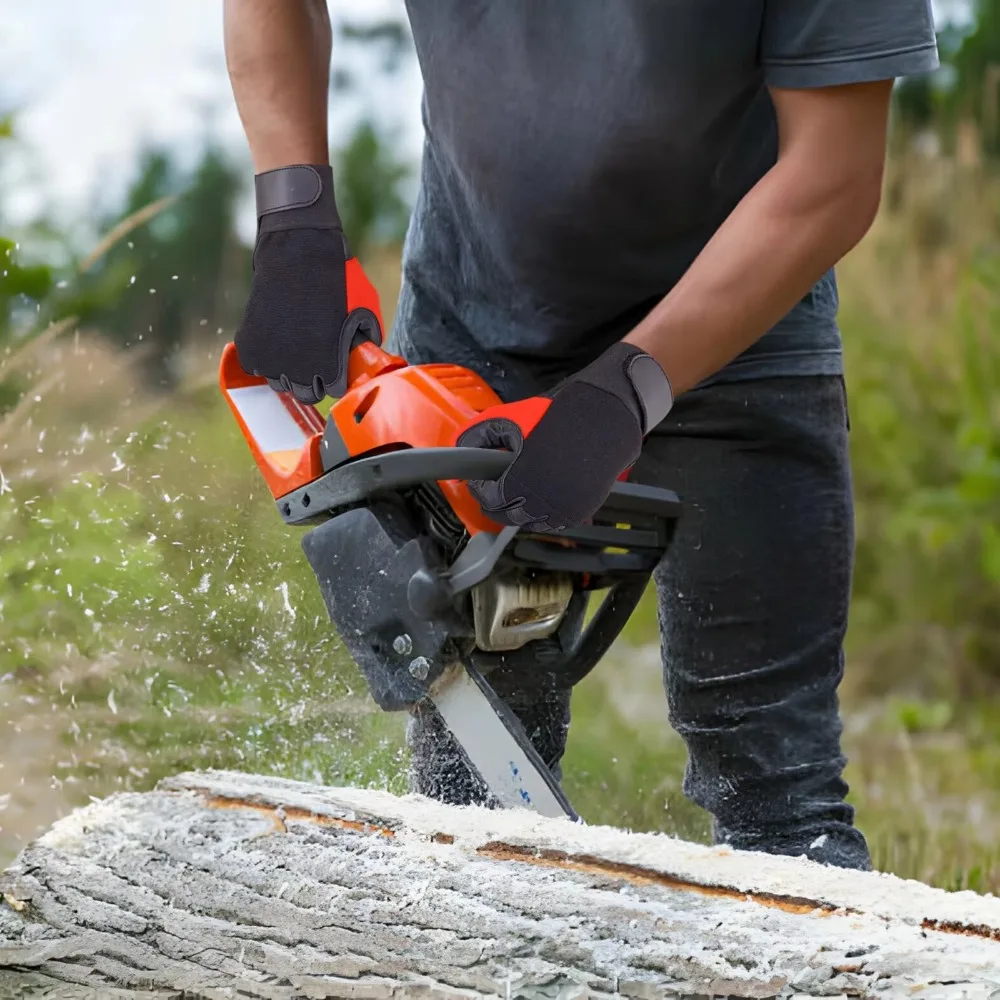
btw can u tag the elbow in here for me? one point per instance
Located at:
(841, 194)
(841, 200)
(842, 204)
(864, 198)
(853, 199)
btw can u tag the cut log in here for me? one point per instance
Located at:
(220, 884)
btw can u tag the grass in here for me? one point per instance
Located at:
(156, 615)
(926, 792)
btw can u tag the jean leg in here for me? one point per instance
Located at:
(753, 603)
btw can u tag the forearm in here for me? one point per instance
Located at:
(785, 234)
(278, 57)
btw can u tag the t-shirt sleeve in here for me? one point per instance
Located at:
(828, 43)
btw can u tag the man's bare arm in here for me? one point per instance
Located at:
(807, 212)
(278, 56)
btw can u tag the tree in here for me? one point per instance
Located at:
(369, 174)
(975, 60)
(968, 86)
(183, 271)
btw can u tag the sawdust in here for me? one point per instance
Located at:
(472, 828)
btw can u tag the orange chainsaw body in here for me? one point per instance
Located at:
(389, 405)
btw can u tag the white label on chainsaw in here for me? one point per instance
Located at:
(268, 420)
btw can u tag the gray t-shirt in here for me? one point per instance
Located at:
(580, 153)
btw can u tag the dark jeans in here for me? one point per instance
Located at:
(753, 600)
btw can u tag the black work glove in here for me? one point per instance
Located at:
(571, 444)
(309, 299)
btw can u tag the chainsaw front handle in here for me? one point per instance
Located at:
(360, 480)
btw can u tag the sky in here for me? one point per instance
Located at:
(93, 81)
(96, 80)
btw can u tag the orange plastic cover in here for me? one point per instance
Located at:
(283, 434)
(390, 405)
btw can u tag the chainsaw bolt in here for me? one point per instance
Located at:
(403, 644)
(420, 667)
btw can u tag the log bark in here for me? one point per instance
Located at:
(221, 885)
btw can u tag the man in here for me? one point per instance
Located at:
(628, 218)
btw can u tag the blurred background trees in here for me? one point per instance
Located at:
(181, 278)
(964, 97)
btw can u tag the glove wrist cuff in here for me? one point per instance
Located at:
(637, 379)
(652, 386)
(298, 194)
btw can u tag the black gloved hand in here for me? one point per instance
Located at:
(572, 443)
(309, 299)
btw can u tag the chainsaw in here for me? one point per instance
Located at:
(427, 594)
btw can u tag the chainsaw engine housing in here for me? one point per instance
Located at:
(411, 591)
(414, 576)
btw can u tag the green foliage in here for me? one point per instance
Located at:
(968, 85)
(924, 716)
(368, 190)
(183, 273)
(168, 610)
(915, 103)
(975, 62)
(69, 566)
(926, 446)
(23, 287)
(958, 520)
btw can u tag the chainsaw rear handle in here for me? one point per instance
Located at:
(625, 497)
